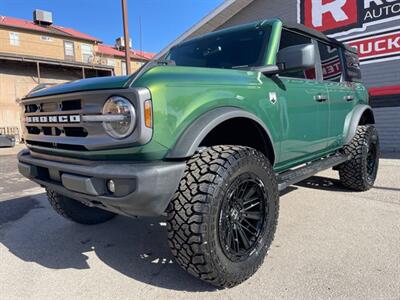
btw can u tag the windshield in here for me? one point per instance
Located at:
(238, 49)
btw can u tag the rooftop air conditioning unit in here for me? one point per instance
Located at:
(120, 43)
(42, 17)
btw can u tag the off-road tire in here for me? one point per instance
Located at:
(355, 174)
(194, 214)
(76, 211)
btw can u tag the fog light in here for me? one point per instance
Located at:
(111, 186)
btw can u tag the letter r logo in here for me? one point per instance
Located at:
(335, 8)
(329, 15)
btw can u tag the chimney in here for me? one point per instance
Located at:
(42, 17)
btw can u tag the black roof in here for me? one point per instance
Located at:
(317, 34)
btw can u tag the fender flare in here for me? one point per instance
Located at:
(190, 140)
(352, 121)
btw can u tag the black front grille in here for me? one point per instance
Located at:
(31, 108)
(71, 105)
(33, 130)
(56, 146)
(60, 121)
(75, 131)
(67, 105)
(55, 131)
(47, 131)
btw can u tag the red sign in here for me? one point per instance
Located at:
(325, 15)
(378, 46)
(339, 17)
(331, 69)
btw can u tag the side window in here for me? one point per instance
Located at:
(332, 69)
(288, 39)
(14, 38)
(353, 70)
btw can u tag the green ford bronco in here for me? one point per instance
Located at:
(207, 136)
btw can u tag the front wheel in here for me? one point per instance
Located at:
(359, 172)
(223, 217)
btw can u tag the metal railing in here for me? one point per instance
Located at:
(11, 131)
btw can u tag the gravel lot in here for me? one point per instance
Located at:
(330, 243)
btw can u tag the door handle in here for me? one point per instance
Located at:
(320, 98)
(349, 98)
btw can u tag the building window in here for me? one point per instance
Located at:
(69, 50)
(111, 62)
(46, 38)
(14, 38)
(87, 53)
(123, 67)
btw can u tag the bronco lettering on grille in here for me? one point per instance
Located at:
(54, 119)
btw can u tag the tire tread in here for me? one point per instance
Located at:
(353, 173)
(191, 205)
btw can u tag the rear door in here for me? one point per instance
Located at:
(304, 109)
(341, 93)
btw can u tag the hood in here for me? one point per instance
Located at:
(153, 74)
(195, 77)
(98, 83)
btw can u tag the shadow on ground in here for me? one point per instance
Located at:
(136, 248)
(334, 185)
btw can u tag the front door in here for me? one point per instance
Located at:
(304, 119)
(304, 109)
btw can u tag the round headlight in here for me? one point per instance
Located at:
(122, 117)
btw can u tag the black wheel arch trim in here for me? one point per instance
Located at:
(353, 120)
(190, 140)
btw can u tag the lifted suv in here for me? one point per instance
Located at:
(208, 136)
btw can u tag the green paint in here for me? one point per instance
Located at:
(90, 84)
(273, 47)
(301, 128)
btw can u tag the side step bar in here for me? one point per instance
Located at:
(290, 177)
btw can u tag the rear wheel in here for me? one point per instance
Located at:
(223, 217)
(77, 211)
(359, 172)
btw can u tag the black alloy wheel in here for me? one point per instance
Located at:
(242, 217)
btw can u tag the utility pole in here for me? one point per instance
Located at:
(126, 37)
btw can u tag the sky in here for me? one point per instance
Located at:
(162, 20)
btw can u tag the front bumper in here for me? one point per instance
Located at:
(142, 188)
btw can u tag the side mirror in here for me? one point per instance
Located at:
(297, 58)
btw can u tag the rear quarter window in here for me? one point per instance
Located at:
(352, 66)
(332, 69)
